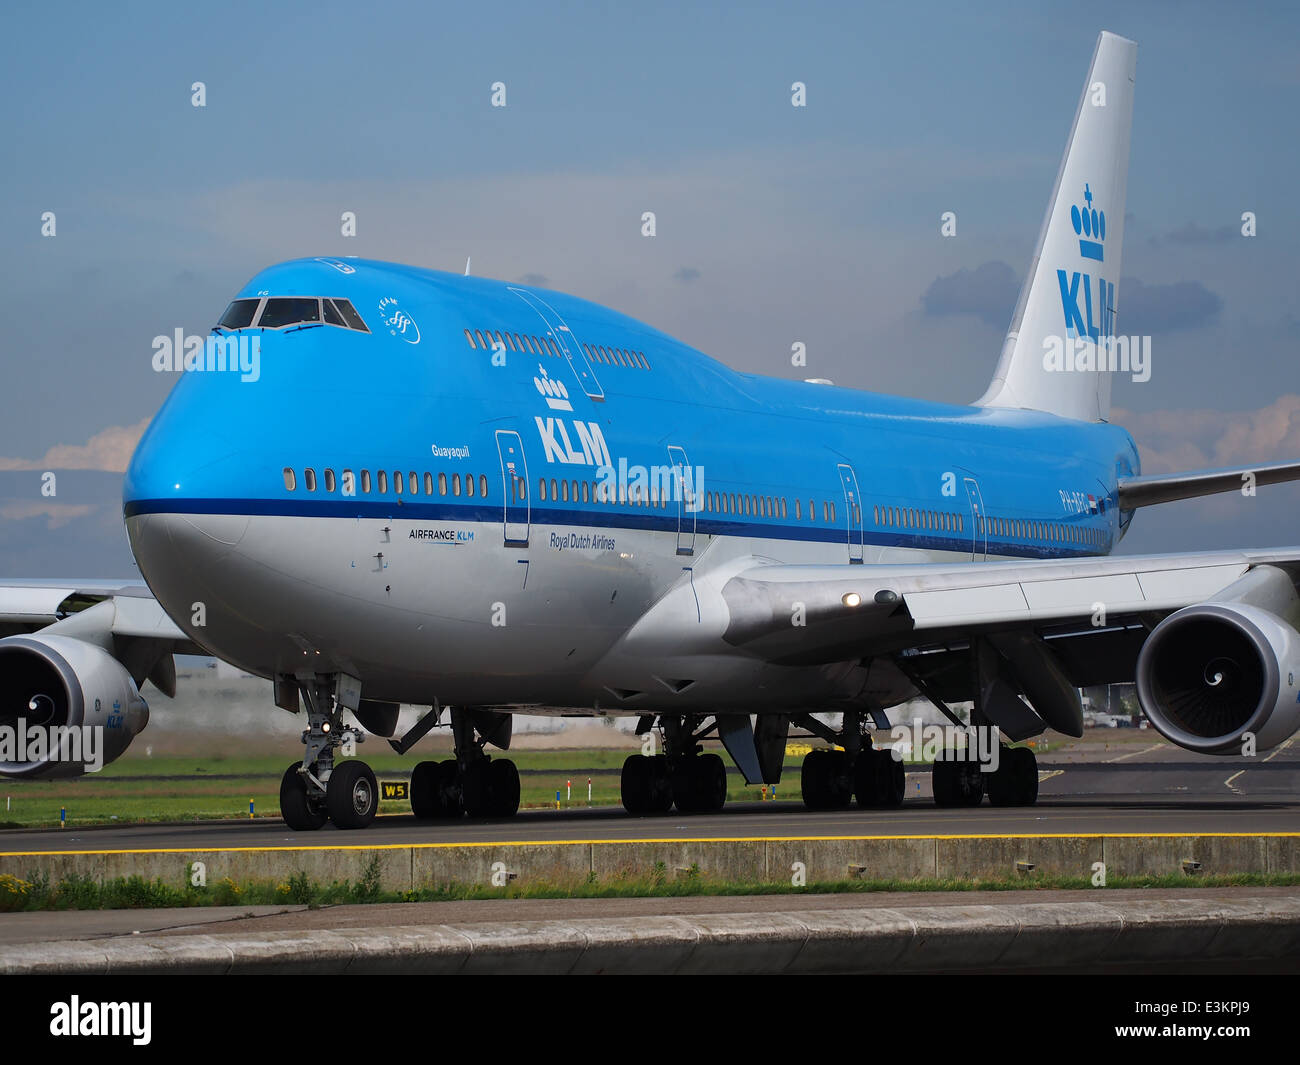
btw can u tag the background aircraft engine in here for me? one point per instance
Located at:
(1210, 674)
(75, 696)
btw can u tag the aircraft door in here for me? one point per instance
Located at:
(567, 344)
(687, 493)
(853, 511)
(979, 545)
(516, 513)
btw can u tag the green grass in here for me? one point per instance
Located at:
(84, 893)
(138, 789)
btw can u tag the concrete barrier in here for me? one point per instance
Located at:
(1068, 936)
(408, 867)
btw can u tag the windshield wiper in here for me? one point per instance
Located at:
(305, 325)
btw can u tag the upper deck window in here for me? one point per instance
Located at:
(239, 315)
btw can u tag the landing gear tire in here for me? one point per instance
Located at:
(446, 781)
(1015, 781)
(879, 780)
(352, 795)
(474, 788)
(298, 811)
(825, 781)
(958, 783)
(645, 786)
(700, 784)
(426, 802)
(490, 788)
(503, 788)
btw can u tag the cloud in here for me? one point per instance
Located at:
(1176, 440)
(110, 450)
(988, 292)
(58, 513)
(1145, 310)
(1194, 234)
(539, 280)
(687, 274)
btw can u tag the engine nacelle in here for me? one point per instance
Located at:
(1210, 673)
(66, 706)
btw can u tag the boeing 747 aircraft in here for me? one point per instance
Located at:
(386, 485)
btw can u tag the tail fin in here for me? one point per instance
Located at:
(1069, 292)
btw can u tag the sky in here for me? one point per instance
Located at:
(774, 224)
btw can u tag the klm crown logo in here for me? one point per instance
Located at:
(554, 392)
(1090, 224)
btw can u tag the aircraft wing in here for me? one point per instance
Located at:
(996, 631)
(801, 614)
(122, 617)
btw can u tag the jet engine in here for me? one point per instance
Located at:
(1213, 674)
(66, 706)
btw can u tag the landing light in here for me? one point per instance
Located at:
(852, 599)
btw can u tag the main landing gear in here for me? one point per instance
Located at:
(473, 782)
(832, 779)
(959, 781)
(683, 776)
(316, 790)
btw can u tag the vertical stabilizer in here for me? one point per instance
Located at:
(1068, 300)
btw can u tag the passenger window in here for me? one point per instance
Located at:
(541, 488)
(455, 484)
(481, 342)
(428, 484)
(468, 335)
(397, 481)
(442, 483)
(365, 481)
(349, 484)
(555, 490)
(383, 482)
(329, 480)
(290, 481)
(482, 485)
(309, 479)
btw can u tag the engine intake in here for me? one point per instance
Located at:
(1211, 673)
(52, 690)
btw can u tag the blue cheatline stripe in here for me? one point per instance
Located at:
(491, 514)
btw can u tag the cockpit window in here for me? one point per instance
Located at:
(239, 315)
(332, 316)
(289, 311)
(280, 312)
(350, 315)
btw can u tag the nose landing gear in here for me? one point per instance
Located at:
(316, 790)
